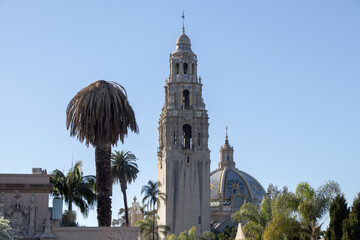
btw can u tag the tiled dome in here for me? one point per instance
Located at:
(228, 182)
(228, 185)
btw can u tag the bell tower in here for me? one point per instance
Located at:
(183, 153)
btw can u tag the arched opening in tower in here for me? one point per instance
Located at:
(186, 137)
(186, 68)
(186, 99)
(177, 68)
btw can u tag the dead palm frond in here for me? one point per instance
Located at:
(100, 114)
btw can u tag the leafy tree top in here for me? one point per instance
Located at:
(123, 166)
(6, 232)
(338, 213)
(75, 188)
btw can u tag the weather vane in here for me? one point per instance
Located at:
(183, 17)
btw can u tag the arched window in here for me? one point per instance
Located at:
(185, 68)
(186, 137)
(186, 99)
(177, 68)
(192, 69)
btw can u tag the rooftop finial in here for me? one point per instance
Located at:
(226, 137)
(183, 17)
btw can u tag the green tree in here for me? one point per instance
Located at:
(313, 204)
(355, 208)
(124, 170)
(153, 196)
(282, 227)
(191, 235)
(284, 224)
(287, 215)
(312, 231)
(338, 213)
(208, 235)
(75, 188)
(256, 218)
(6, 232)
(121, 221)
(100, 114)
(274, 191)
(149, 229)
(351, 226)
(227, 234)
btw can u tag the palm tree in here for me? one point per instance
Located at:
(124, 170)
(191, 235)
(121, 221)
(278, 218)
(75, 188)
(148, 228)
(257, 218)
(153, 195)
(313, 204)
(312, 230)
(284, 224)
(100, 114)
(282, 227)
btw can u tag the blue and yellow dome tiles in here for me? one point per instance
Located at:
(227, 182)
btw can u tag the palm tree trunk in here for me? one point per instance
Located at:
(153, 233)
(123, 190)
(103, 184)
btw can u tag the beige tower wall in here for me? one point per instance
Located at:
(183, 161)
(187, 189)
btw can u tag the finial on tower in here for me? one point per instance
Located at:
(183, 17)
(226, 137)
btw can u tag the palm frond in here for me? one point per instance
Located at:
(75, 188)
(253, 229)
(100, 114)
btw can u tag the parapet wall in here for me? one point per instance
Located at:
(95, 233)
(24, 201)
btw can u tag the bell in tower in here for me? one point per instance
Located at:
(183, 154)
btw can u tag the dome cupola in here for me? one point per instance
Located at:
(183, 43)
(230, 188)
(183, 64)
(226, 154)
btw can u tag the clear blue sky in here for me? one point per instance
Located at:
(282, 75)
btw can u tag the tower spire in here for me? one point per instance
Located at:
(226, 137)
(183, 17)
